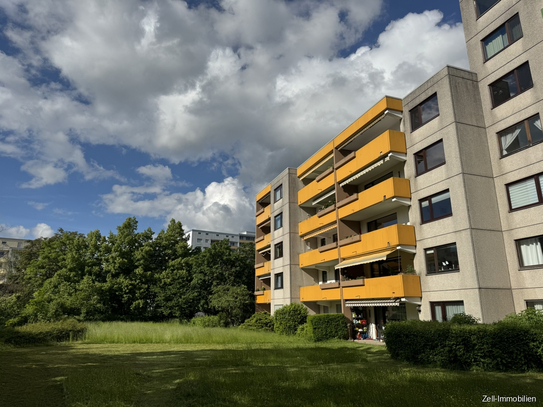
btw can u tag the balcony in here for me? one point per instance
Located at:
(265, 298)
(389, 142)
(316, 222)
(316, 257)
(263, 243)
(262, 269)
(263, 215)
(382, 239)
(262, 194)
(401, 285)
(385, 196)
(315, 188)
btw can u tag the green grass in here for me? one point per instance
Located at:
(207, 367)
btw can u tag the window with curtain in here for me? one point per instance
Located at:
(445, 310)
(278, 281)
(530, 251)
(436, 207)
(481, 6)
(537, 304)
(522, 135)
(502, 37)
(525, 193)
(278, 250)
(512, 84)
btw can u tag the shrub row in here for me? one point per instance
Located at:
(507, 345)
(288, 318)
(322, 327)
(210, 321)
(43, 333)
(261, 321)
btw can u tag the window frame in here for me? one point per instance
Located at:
(424, 150)
(276, 277)
(278, 217)
(517, 82)
(418, 108)
(456, 270)
(526, 123)
(519, 254)
(443, 308)
(428, 198)
(324, 276)
(509, 37)
(484, 12)
(280, 190)
(278, 247)
(539, 192)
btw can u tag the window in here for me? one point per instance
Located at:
(278, 193)
(436, 207)
(529, 252)
(521, 135)
(325, 309)
(430, 158)
(525, 193)
(510, 85)
(334, 238)
(442, 259)
(199, 240)
(481, 6)
(278, 281)
(538, 305)
(2, 254)
(324, 276)
(378, 180)
(338, 308)
(207, 240)
(336, 275)
(278, 221)
(444, 311)
(383, 222)
(501, 38)
(278, 252)
(424, 112)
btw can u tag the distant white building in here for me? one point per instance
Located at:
(205, 238)
(8, 246)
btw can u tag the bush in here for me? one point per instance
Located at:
(261, 321)
(210, 321)
(43, 332)
(289, 318)
(464, 319)
(503, 346)
(327, 326)
(304, 332)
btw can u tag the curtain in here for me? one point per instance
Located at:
(452, 309)
(530, 250)
(438, 313)
(496, 44)
(507, 139)
(523, 193)
(537, 123)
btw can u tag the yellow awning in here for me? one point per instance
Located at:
(370, 258)
(318, 232)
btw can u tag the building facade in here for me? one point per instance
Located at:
(427, 206)
(8, 249)
(205, 238)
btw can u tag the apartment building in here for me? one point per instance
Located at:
(8, 249)
(205, 238)
(427, 206)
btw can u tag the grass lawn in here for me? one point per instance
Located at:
(216, 367)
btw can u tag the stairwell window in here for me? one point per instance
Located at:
(502, 37)
(530, 252)
(429, 158)
(436, 207)
(512, 84)
(278, 221)
(522, 135)
(278, 193)
(278, 250)
(424, 112)
(525, 193)
(482, 6)
(278, 281)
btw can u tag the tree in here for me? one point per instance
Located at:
(235, 302)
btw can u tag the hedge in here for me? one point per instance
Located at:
(43, 333)
(209, 321)
(261, 321)
(502, 346)
(322, 327)
(288, 318)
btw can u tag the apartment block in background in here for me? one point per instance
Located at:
(8, 249)
(205, 238)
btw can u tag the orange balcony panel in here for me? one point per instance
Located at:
(315, 159)
(401, 285)
(263, 243)
(264, 298)
(315, 257)
(390, 188)
(264, 269)
(314, 188)
(263, 193)
(314, 223)
(390, 141)
(264, 216)
(381, 239)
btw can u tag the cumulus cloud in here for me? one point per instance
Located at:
(20, 232)
(42, 230)
(261, 84)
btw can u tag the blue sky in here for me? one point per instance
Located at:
(163, 109)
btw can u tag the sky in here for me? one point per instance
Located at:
(186, 109)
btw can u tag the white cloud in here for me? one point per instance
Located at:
(38, 205)
(16, 232)
(42, 230)
(160, 174)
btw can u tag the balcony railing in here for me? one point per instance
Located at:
(315, 257)
(264, 298)
(263, 216)
(389, 142)
(262, 269)
(315, 188)
(381, 239)
(401, 285)
(263, 243)
(316, 222)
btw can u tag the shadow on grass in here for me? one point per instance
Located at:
(143, 375)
